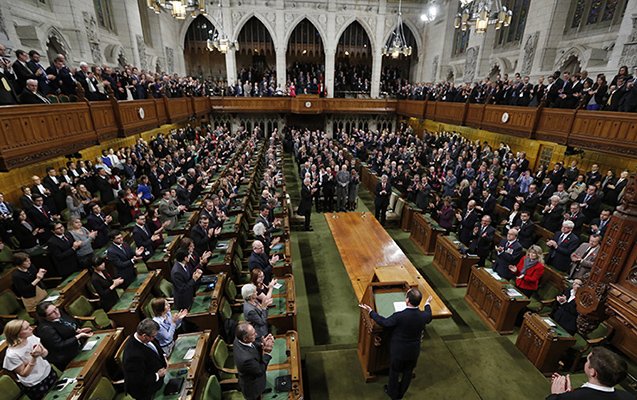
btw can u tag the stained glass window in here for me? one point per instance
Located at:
(103, 14)
(594, 11)
(609, 10)
(514, 32)
(578, 13)
(460, 41)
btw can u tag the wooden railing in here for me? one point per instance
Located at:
(32, 133)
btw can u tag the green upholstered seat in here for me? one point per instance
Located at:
(104, 390)
(81, 309)
(544, 297)
(213, 391)
(10, 390)
(223, 360)
(12, 308)
(165, 288)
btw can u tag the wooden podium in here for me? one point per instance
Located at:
(373, 340)
(543, 342)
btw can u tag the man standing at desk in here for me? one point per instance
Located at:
(408, 325)
(381, 202)
(144, 362)
(251, 359)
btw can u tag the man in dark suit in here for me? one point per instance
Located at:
(562, 246)
(576, 216)
(97, 221)
(144, 362)
(123, 258)
(526, 230)
(183, 192)
(8, 95)
(552, 214)
(143, 236)
(565, 314)
(22, 71)
(184, 283)
(599, 225)
(509, 252)
(203, 236)
(60, 334)
(604, 369)
(251, 359)
(103, 186)
(63, 83)
(381, 202)
(44, 84)
(482, 239)
(590, 203)
(529, 200)
(613, 190)
(30, 94)
(41, 217)
(62, 249)
(408, 326)
(305, 205)
(468, 220)
(258, 259)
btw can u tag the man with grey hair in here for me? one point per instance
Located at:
(305, 205)
(258, 259)
(30, 94)
(144, 362)
(383, 193)
(552, 214)
(562, 246)
(254, 311)
(342, 183)
(252, 359)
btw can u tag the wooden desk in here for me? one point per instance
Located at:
(127, 312)
(196, 376)
(424, 231)
(543, 342)
(89, 364)
(222, 258)
(489, 299)
(286, 360)
(161, 259)
(206, 306)
(364, 245)
(454, 265)
(282, 313)
(409, 213)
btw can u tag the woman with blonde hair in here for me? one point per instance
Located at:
(529, 270)
(25, 357)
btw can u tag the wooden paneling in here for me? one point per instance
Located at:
(452, 113)
(33, 132)
(306, 104)
(520, 119)
(162, 113)
(201, 105)
(179, 109)
(136, 116)
(104, 120)
(361, 106)
(411, 108)
(554, 125)
(430, 109)
(474, 115)
(605, 131)
(250, 104)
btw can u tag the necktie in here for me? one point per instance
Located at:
(44, 99)
(67, 323)
(43, 211)
(3, 208)
(588, 253)
(602, 224)
(587, 198)
(562, 237)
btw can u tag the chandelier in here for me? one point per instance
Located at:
(482, 13)
(219, 40)
(178, 9)
(398, 43)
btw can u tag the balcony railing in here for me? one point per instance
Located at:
(31, 133)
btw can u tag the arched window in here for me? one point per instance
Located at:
(104, 14)
(595, 14)
(513, 33)
(460, 42)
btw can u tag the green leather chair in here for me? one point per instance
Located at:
(82, 310)
(213, 391)
(584, 343)
(543, 298)
(223, 361)
(12, 308)
(11, 389)
(104, 390)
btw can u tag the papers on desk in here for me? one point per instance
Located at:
(549, 322)
(52, 298)
(89, 345)
(277, 286)
(277, 247)
(222, 246)
(190, 354)
(513, 293)
(494, 274)
(399, 306)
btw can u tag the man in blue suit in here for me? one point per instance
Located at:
(408, 326)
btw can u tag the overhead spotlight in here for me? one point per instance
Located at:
(304, 52)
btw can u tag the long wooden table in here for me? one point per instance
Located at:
(364, 245)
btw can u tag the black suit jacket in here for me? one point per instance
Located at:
(408, 327)
(480, 244)
(7, 97)
(141, 364)
(28, 97)
(466, 226)
(553, 220)
(382, 200)
(594, 204)
(591, 394)
(183, 287)
(305, 205)
(95, 223)
(22, 73)
(566, 314)
(252, 365)
(59, 339)
(104, 187)
(262, 262)
(63, 255)
(121, 259)
(201, 240)
(510, 256)
(142, 238)
(526, 234)
(560, 257)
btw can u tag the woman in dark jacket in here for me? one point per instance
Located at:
(446, 214)
(104, 284)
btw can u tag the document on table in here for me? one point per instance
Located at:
(549, 322)
(52, 298)
(399, 306)
(277, 286)
(189, 354)
(89, 345)
(513, 293)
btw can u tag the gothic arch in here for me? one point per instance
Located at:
(111, 53)
(56, 39)
(366, 27)
(264, 21)
(503, 63)
(574, 52)
(186, 25)
(314, 23)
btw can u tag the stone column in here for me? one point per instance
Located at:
(231, 67)
(625, 50)
(377, 45)
(377, 64)
(281, 67)
(330, 61)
